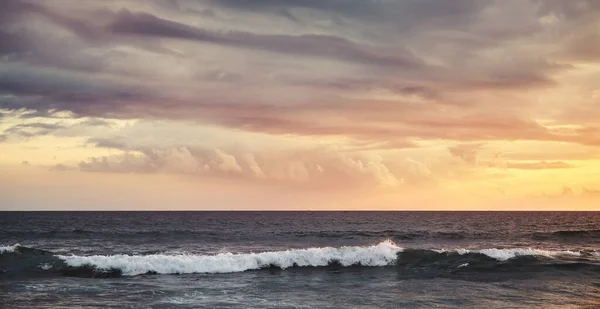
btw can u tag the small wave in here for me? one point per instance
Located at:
(569, 235)
(71, 233)
(391, 234)
(506, 254)
(13, 248)
(45, 266)
(577, 233)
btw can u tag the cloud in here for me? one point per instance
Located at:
(570, 10)
(43, 90)
(591, 192)
(60, 168)
(332, 47)
(400, 13)
(28, 130)
(112, 143)
(309, 168)
(467, 152)
(371, 77)
(378, 122)
(12, 43)
(474, 155)
(94, 122)
(126, 163)
(567, 191)
(538, 165)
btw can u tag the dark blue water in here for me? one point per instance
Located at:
(299, 260)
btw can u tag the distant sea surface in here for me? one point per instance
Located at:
(299, 260)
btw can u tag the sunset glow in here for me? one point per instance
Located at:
(286, 105)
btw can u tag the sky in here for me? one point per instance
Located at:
(288, 105)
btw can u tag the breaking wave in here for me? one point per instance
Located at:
(379, 255)
(17, 259)
(12, 248)
(506, 254)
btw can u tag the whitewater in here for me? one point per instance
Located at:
(382, 254)
(299, 260)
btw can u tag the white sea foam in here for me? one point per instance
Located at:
(382, 254)
(506, 254)
(45, 266)
(12, 248)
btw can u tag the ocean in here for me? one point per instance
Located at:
(299, 260)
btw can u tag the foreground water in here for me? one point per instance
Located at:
(299, 260)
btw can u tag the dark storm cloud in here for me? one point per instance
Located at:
(24, 42)
(12, 43)
(402, 12)
(311, 44)
(368, 84)
(9, 10)
(580, 36)
(16, 11)
(423, 50)
(44, 90)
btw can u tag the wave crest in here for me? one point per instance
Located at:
(507, 254)
(382, 254)
(8, 249)
(18, 260)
